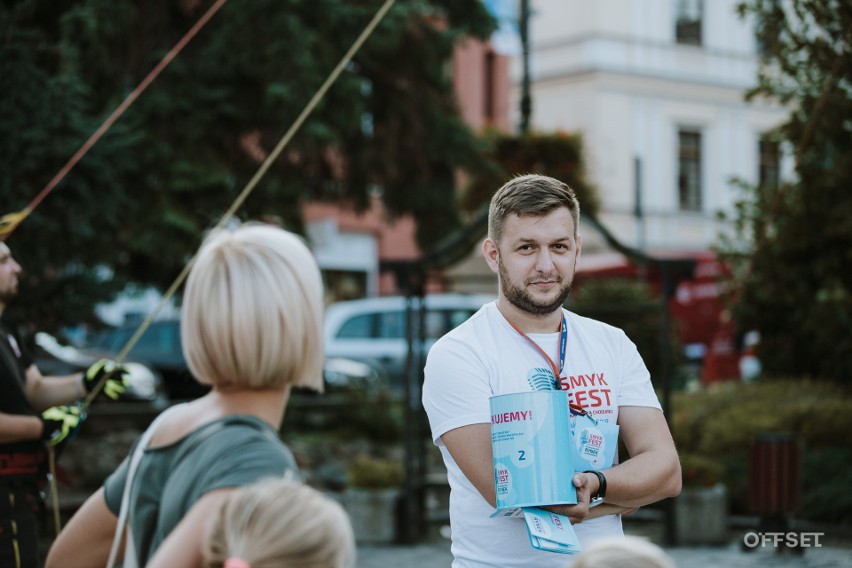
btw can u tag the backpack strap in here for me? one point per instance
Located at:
(130, 557)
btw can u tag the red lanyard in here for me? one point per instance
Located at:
(563, 347)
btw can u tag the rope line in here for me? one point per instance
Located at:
(377, 18)
(10, 222)
(250, 186)
(307, 111)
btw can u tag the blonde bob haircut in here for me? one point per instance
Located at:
(277, 523)
(252, 311)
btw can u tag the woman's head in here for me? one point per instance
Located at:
(252, 310)
(277, 523)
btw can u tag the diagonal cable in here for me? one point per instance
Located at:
(10, 222)
(250, 186)
(377, 18)
(224, 219)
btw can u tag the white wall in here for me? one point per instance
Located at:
(334, 249)
(613, 71)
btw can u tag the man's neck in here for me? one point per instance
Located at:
(527, 322)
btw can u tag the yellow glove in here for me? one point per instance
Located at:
(116, 382)
(61, 423)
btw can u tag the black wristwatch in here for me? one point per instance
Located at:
(601, 494)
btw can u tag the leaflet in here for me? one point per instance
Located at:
(550, 532)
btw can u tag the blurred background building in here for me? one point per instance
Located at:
(657, 89)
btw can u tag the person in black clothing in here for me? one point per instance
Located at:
(34, 411)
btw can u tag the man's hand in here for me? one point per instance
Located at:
(585, 484)
(61, 423)
(116, 381)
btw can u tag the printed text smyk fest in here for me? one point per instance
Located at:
(587, 391)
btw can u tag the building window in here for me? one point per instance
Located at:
(769, 162)
(688, 21)
(689, 170)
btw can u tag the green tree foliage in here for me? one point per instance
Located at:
(630, 305)
(554, 154)
(141, 199)
(793, 283)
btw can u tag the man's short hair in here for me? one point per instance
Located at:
(252, 310)
(530, 194)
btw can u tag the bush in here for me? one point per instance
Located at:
(367, 472)
(374, 416)
(721, 422)
(828, 493)
(631, 306)
(699, 471)
(378, 417)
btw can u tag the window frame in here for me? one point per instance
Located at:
(768, 161)
(689, 157)
(688, 24)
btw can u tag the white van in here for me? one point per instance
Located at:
(373, 330)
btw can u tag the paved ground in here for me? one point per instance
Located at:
(835, 552)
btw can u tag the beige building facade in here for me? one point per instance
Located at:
(657, 89)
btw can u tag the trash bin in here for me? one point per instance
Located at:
(774, 475)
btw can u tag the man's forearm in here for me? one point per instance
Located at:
(44, 392)
(609, 509)
(644, 479)
(14, 428)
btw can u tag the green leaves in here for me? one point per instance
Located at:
(140, 199)
(796, 288)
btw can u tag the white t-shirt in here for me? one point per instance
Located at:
(484, 357)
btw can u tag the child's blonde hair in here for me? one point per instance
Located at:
(626, 552)
(278, 523)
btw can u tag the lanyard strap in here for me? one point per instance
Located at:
(576, 409)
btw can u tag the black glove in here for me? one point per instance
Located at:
(114, 386)
(61, 423)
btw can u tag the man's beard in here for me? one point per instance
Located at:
(522, 299)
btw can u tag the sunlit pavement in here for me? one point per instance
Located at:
(437, 554)
(835, 551)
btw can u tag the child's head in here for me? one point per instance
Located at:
(277, 523)
(626, 552)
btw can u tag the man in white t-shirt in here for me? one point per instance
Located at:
(515, 345)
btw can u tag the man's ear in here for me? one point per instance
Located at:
(491, 254)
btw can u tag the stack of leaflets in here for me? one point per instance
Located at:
(550, 532)
(547, 531)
